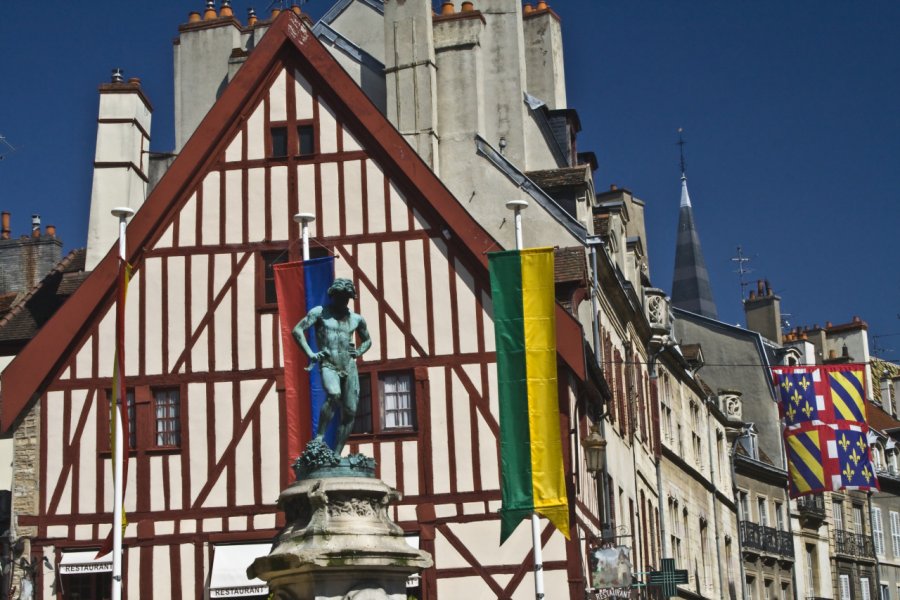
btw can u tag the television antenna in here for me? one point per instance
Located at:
(742, 269)
(5, 145)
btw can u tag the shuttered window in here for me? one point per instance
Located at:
(845, 587)
(878, 531)
(895, 533)
(864, 587)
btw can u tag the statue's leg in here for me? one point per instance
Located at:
(331, 381)
(349, 402)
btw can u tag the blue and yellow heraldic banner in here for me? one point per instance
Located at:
(854, 461)
(821, 394)
(806, 467)
(825, 436)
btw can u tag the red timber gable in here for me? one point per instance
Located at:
(46, 356)
(200, 336)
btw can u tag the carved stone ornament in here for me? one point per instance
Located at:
(657, 311)
(319, 460)
(730, 403)
(339, 543)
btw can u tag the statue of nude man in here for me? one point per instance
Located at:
(334, 327)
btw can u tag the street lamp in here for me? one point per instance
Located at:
(594, 451)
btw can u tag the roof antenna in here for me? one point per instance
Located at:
(6, 143)
(681, 144)
(742, 270)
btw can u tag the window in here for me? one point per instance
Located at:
(284, 145)
(858, 524)
(837, 515)
(779, 516)
(132, 426)
(885, 592)
(307, 139)
(87, 586)
(762, 510)
(704, 553)
(752, 446)
(749, 584)
(785, 591)
(844, 581)
(279, 142)
(811, 569)
(695, 434)
(266, 296)
(396, 406)
(767, 589)
(895, 533)
(167, 409)
(864, 588)
(877, 531)
(744, 505)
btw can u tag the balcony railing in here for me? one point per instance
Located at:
(766, 539)
(854, 544)
(814, 503)
(785, 544)
(811, 509)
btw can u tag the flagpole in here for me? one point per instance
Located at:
(304, 219)
(123, 213)
(517, 206)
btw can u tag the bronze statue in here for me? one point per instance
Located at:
(334, 327)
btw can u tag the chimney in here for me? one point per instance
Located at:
(35, 226)
(544, 67)
(4, 226)
(887, 388)
(505, 77)
(763, 312)
(411, 74)
(120, 171)
(51, 231)
(202, 50)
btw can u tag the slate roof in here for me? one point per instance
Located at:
(691, 289)
(23, 318)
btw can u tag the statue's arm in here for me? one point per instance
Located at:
(299, 332)
(363, 330)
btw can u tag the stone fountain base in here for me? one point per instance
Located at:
(339, 543)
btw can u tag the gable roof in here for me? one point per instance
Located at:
(288, 37)
(21, 319)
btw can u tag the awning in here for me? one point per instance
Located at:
(229, 571)
(83, 561)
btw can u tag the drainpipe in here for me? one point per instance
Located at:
(663, 499)
(598, 356)
(712, 473)
(877, 562)
(734, 490)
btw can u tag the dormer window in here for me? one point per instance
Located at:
(751, 444)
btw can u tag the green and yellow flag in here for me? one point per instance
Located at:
(531, 459)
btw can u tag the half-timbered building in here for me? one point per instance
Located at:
(291, 133)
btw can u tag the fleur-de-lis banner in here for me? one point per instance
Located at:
(824, 412)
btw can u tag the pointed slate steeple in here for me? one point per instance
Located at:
(691, 290)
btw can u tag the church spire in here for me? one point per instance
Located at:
(691, 290)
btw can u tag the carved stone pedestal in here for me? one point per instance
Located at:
(339, 544)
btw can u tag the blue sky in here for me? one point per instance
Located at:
(791, 112)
